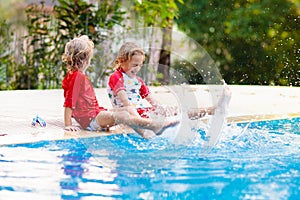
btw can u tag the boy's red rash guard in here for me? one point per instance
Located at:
(80, 97)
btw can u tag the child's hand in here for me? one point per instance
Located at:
(132, 111)
(72, 128)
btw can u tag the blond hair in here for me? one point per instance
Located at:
(126, 52)
(77, 52)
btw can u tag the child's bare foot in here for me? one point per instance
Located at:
(157, 129)
(148, 134)
(166, 125)
(225, 99)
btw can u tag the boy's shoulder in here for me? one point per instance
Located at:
(115, 74)
(139, 79)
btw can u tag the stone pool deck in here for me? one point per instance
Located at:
(248, 103)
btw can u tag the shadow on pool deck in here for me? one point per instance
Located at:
(248, 103)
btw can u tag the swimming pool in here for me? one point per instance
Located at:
(257, 160)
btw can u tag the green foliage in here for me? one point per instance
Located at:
(81, 18)
(154, 13)
(48, 30)
(254, 41)
(157, 12)
(6, 58)
(188, 71)
(37, 67)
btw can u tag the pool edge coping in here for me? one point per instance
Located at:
(63, 135)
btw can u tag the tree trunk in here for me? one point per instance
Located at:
(165, 55)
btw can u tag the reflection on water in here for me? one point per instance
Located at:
(74, 167)
(251, 161)
(85, 175)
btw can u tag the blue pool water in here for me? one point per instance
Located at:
(258, 160)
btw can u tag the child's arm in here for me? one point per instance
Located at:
(165, 109)
(123, 98)
(68, 120)
(153, 102)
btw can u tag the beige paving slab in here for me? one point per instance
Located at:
(248, 103)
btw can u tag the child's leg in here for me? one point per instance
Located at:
(137, 122)
(105, 119)
(200, 112)
(145, 133)
(122, 116)
(222, 104)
